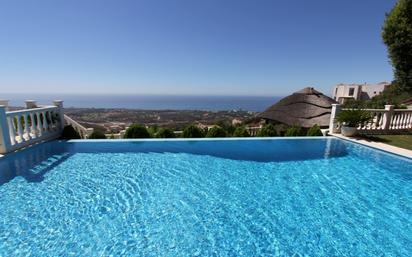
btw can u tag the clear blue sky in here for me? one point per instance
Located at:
(213, 47)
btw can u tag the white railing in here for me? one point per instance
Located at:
(26, 127)
(253, 131)
(83, 131)
(388, 120)
(401, 120)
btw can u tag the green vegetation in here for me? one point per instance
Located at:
(97, 134)
(241, 132)
(216, 131)
(294, 131)
(397, 35)
(192, 131)
(227, 127)
(165, 133)
(70, 133)
(353, 118)
(403, 141)
(137, 131)
(268, 130)
(152, 131)
(314, 131)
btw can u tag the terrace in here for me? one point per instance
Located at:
(180, 197)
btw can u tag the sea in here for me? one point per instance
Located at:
(151, 102)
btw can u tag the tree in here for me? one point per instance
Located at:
(165, 133)
(97, 134)
(70, 133)
(152, 131)
(314, 131)
(294, 131)
(241, 132)
(227, 126)
(397, 35)
(192, 131)
(216, 131)
(268, 130)
(136, 131)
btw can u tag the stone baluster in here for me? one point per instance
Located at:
(409, 121)
(39, 124)
(44, 121)
(33, 126)
(26, 127)
(400, 120)
(5, 139)
(395, 121)
(405, 120)
(19, 128)
(12, 130)
(381, 121)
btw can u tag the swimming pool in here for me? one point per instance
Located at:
(280, 197)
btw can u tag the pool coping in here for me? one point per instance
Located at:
(377, 145)
(196, 139)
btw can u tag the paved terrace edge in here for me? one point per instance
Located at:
(377, 145)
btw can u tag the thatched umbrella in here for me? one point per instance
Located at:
(304, 108)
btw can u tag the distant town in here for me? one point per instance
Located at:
(116, 120)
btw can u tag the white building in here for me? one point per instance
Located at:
(342, 92)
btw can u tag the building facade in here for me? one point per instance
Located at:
(343, 92)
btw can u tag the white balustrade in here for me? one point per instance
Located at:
(83, 131)
(388, 120)
(25, 127)
(253, 131)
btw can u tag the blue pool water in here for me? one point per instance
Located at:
(294, 197)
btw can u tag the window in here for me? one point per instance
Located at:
(351, 91)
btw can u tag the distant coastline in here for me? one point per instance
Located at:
(152, 102)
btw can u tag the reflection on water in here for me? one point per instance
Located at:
(34, 162)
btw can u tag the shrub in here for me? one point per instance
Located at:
(241, 132)
(268, 130)
(97, 134)
(294, 131)
(165, 133)
(216, 131)
(70, 133)
(192, 131)
(152, 131)
(314, 131)
(137, 131)
(353, 118)
(227, 126)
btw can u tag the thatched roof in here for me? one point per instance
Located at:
(304, 108)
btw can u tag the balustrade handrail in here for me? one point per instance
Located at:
(402, 110)
(368, 110)
(82, 130)
(75, 123)
(44, 108)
